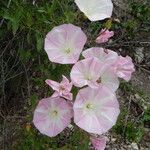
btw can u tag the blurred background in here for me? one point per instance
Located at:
(24, 66)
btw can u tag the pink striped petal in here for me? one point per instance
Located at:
(124, 67)
(104, 55)
(66, 83)
(110, 80)
(53, 84)
(99, 143)
(104, 36)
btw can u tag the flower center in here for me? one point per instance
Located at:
(54, 113)
(89, 106)
(68, 50)
(99, 80)
(61, 88)
(88, 77)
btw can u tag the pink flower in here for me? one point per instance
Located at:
(86, 72)
(107, 77)
(52, 116)
(124, 67)
(99, 143)
(104, 55)
(64, 43)
(61, 89)
(104, 36)
(96, 9)
(95, 110)
(94, 73)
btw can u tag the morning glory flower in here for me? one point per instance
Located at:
(52, 116)
(96, 9)
(104, 36)
(124, 67)
(94, 73)
(64, 43)
(96, 110)
(86, 72)
(61, 89)
(99, 143)
(104, 55)
(108, 57)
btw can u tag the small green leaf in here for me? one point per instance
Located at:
(39, 42)
(108, 24)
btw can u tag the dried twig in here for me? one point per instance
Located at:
(7, 46)
(28, 80)
(3, 80)
(142, 68)
(127, 116)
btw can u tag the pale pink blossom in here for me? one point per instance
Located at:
(96, 110)
(96, 9)
(61, 89)
(94, 73)
(64, 43)
(104, 36)
(108, 57)
(124, 67)
(104, 55)
(86, 72)
(99, 143)
(52, 116)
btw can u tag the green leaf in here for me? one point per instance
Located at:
(108, 24)
(39, 42)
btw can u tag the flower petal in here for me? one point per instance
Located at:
(104, 36)
(124, 67)
(104, 55)
(53, 84)
(66, 83)
(95, 9)
(110, 80)
(99, 143)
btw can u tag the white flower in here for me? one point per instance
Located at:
(96, 9)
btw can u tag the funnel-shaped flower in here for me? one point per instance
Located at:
(61, 89)
(95, 110)
(86, 72)
(64, 43)
(107, 78)
(104, 36)
(99, 143)
(95, 9)
(124, 67)
(104, 55)
(52, 116)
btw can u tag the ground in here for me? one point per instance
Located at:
(25, 66)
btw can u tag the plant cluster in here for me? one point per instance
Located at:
(95, 108)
